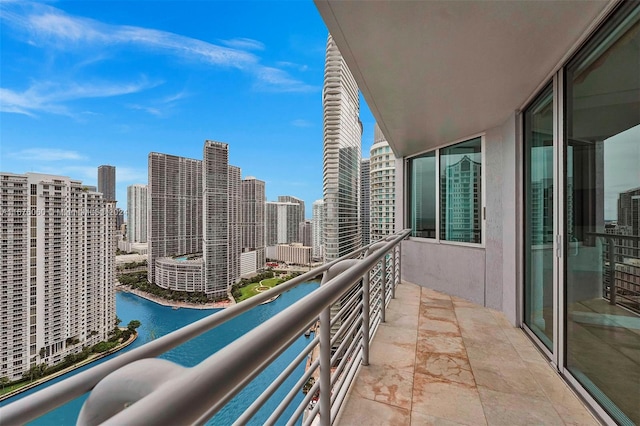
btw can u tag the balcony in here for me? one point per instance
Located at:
(384, 352)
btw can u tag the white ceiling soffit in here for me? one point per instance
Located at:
(433, 72)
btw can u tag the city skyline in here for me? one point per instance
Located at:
(129, 86)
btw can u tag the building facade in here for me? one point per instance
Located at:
(107, 182)
(365, 200)
(215, 214)
(281, 222)
(137, 213)
(235, 222)
(383, 187)
(304, 233)
(175, 208)
(317, 225)
(58, 266)
(295, 254)
(342, 131)
(253, 218)
(296, 200)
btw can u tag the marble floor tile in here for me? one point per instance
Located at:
(386, 384)
(511, 409)
(361, 411)
(445, 368)
(452, 401)
(438, 343)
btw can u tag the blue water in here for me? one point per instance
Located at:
(159, 320)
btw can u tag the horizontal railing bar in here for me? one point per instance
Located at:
(340, 349)
(346, 326)
(35, 405)
(347, 306)
(250, 352)
(342, 393)
(357, 338)
(268, 392)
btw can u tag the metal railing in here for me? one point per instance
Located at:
(345, 311)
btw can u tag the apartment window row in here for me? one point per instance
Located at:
(445, 193)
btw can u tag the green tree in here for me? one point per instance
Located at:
(133, 324)
(4, 381)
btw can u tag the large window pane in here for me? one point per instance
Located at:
(422, 195)
(538, 213)
(460, 192)
(603, 210)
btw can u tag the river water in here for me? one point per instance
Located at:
(159, 320)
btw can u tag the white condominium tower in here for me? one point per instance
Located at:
(317, 227)
(253, 218)
(365, 199)
(137, 213)
(215, 215)
(292, 199)
(57, 277)
(281, 222)
(235, 222)
(383, 184)
(341, 156)
(175, 209)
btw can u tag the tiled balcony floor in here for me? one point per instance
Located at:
(440, 360)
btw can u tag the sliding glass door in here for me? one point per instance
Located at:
(539, 209)
(602, 202)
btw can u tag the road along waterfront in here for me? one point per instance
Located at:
(159, 320)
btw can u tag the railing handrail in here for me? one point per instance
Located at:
(39, 403)
(242, 360)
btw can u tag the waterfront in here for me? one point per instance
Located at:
(159, 320)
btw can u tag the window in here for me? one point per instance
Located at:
(456, 194)
(422, 195)
(460, 192)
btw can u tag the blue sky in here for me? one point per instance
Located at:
(106, 82)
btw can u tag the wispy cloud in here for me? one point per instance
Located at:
(244, 43)
(44, 25)
(46, 154)
(274, 79)
(301, 123)
(50, 96)
(287, 64)
(160, 107)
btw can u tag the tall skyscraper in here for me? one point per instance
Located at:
(365, 198)
(281, 222)
(383, 184)
(215, 214)
(235, 222)
(175, 210)
(304, 233)
(57, 278)
(107, 182)
(341, 156)
(253, 218)
(137, 213)
(317, 224)
(292, 199)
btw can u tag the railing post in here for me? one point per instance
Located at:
(325, 367)
(366, 293)
(383, 277)
(392, 260)
(612, 271)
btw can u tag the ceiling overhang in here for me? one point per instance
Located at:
(433, 72)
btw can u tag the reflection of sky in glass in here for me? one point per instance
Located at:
(621, 168)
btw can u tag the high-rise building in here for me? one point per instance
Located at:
(57, 277)
(175, 211)
(317, 224)
(365, 198)
(304, 233)
(292, 199)
(341, 156)
(253, 218)
(107, 182)
(137, 213)
(383, 184)
(235, 222)
(459, 201)
(281, 222)
(215, 203)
